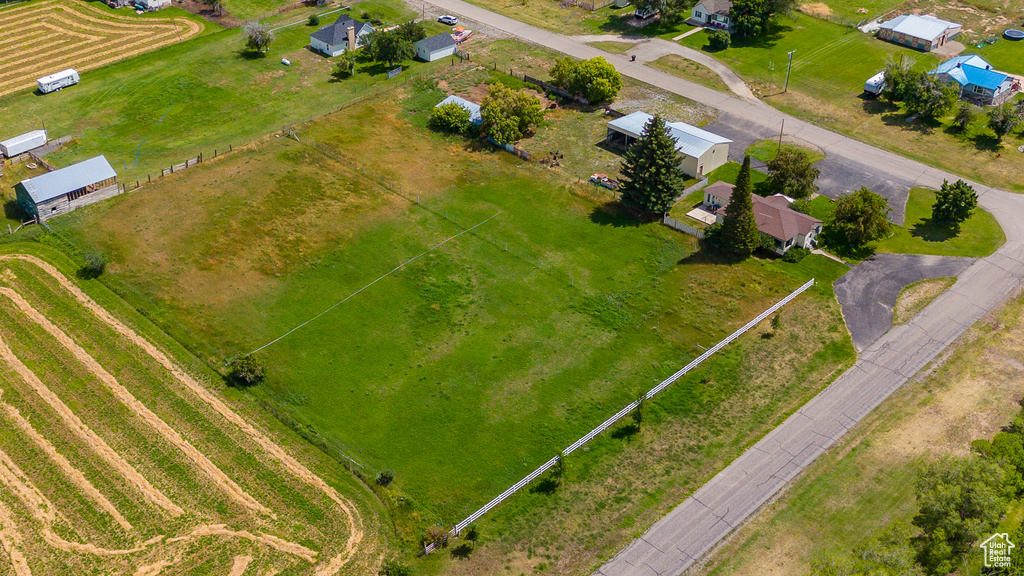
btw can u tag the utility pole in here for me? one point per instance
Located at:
(780, 136)
(788, 70)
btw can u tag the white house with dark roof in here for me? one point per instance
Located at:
(700, 151)
(712, 13)
(774, 217)
(922, 32)
(344, 34)
(61, 191)
(435, 47)
(979, 82)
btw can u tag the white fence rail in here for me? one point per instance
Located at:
(682, 227)
(621, 413)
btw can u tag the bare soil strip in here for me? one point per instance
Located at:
(291, 464)
(73, 474)
(102, 449)
(233, 490)
(15, 479)
(10, 539)
(271, 541)
(239, 565)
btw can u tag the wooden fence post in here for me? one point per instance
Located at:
(229, 147)
(172, 168)
(149, 178)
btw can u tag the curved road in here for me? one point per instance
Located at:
(701, 521)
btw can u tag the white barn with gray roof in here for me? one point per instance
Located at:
(61, 191)
(700, 151)
(435, 47)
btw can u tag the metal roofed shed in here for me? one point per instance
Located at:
(23, 143)
(700, 151)
(472, 108)
(435, 47)
(64, 190)
(922, 32)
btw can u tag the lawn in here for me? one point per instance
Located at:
(614, 47)
(979, 236)
(496, 349)
(689, 70)
(766, 150)
(866, 482)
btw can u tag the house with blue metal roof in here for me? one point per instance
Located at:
(979, 82)
(61, 191)
(700, 151)
(922, 32)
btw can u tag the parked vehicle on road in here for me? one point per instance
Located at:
(448, 19)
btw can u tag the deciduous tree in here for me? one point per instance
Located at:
(965, 114)
(954, 203)
(857, 219)
(1005, 118)
(792, 173)
(739, 229)
(509, 114)
(258, 36)
(594, 79)
(900, 79)
(346, 64)
(247, 371)
(931, 97)
(651, 180)
(388, 47)
(450, 117)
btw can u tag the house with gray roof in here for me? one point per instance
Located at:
(61, 191)
(435, 47)
(925, 33)
(979, 82)
(345, 33)
(700, 151)
(712, 13)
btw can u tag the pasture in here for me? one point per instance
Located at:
(468, 367)
(117, 457)
(40, 38)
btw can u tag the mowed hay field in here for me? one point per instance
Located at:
(480, 359)
(40, 38)
(115, 458)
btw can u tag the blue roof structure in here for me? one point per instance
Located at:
(971, 70)
(59, 182)
(690, 140)
(474, 109)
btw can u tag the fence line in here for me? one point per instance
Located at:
(621, 413)
(694, 188)
(593, 4)
(666, 220)
(552, 88)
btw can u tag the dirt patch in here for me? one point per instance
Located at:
(222, 18)
(916, 297)
(816, 9)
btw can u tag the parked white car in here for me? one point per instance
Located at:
(448, 19)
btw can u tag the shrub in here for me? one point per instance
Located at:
(594, 79)
(450, 117)
(376, 18)
(802, 206)
(246, 371)
(385, 477)
(435, 535)
(394, 568)
(795, 255)
(95, 265)
(346, 64)
(314, 19)
(719, 39)
(472, 533)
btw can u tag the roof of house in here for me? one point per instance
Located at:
(23, 138)
(716, 6)
(923, 27)
(773, 215)
(439, 42)
(59, 182)
(968, 70)
(337, 33)
(690, 140)
(474, 109)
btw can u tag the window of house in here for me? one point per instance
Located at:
(979, 90)
(699, 15)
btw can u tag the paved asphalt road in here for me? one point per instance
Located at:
(701, 521)
(868, 291)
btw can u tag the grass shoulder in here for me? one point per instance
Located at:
(689, 70)
(915, 297)
(765, 150)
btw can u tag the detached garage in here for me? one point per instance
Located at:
(61, 191)
(700, 151)
(435, 47)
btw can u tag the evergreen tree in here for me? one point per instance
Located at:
(739, 229)
(650, 171)
(954, 203)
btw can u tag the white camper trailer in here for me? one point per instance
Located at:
(21, 144)
(58, 81)
(875, 84)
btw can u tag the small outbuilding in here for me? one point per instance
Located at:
(979, 82)
(435, 47)
(153, 4)
(700, 152)
(925, 33)
(712, 13)
(61, 191)
(471, 107)
(774, 217)
(23, 143)
(344, 34)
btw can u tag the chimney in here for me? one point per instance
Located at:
(351, 37)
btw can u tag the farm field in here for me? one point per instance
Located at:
(865, 483)
(481, 358)
(115, 457)
(47, 36)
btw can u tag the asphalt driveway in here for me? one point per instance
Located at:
(868, 291)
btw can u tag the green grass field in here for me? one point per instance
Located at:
(689, 70)
(766, 150)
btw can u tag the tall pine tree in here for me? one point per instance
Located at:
(650, 171)
(739, 229)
